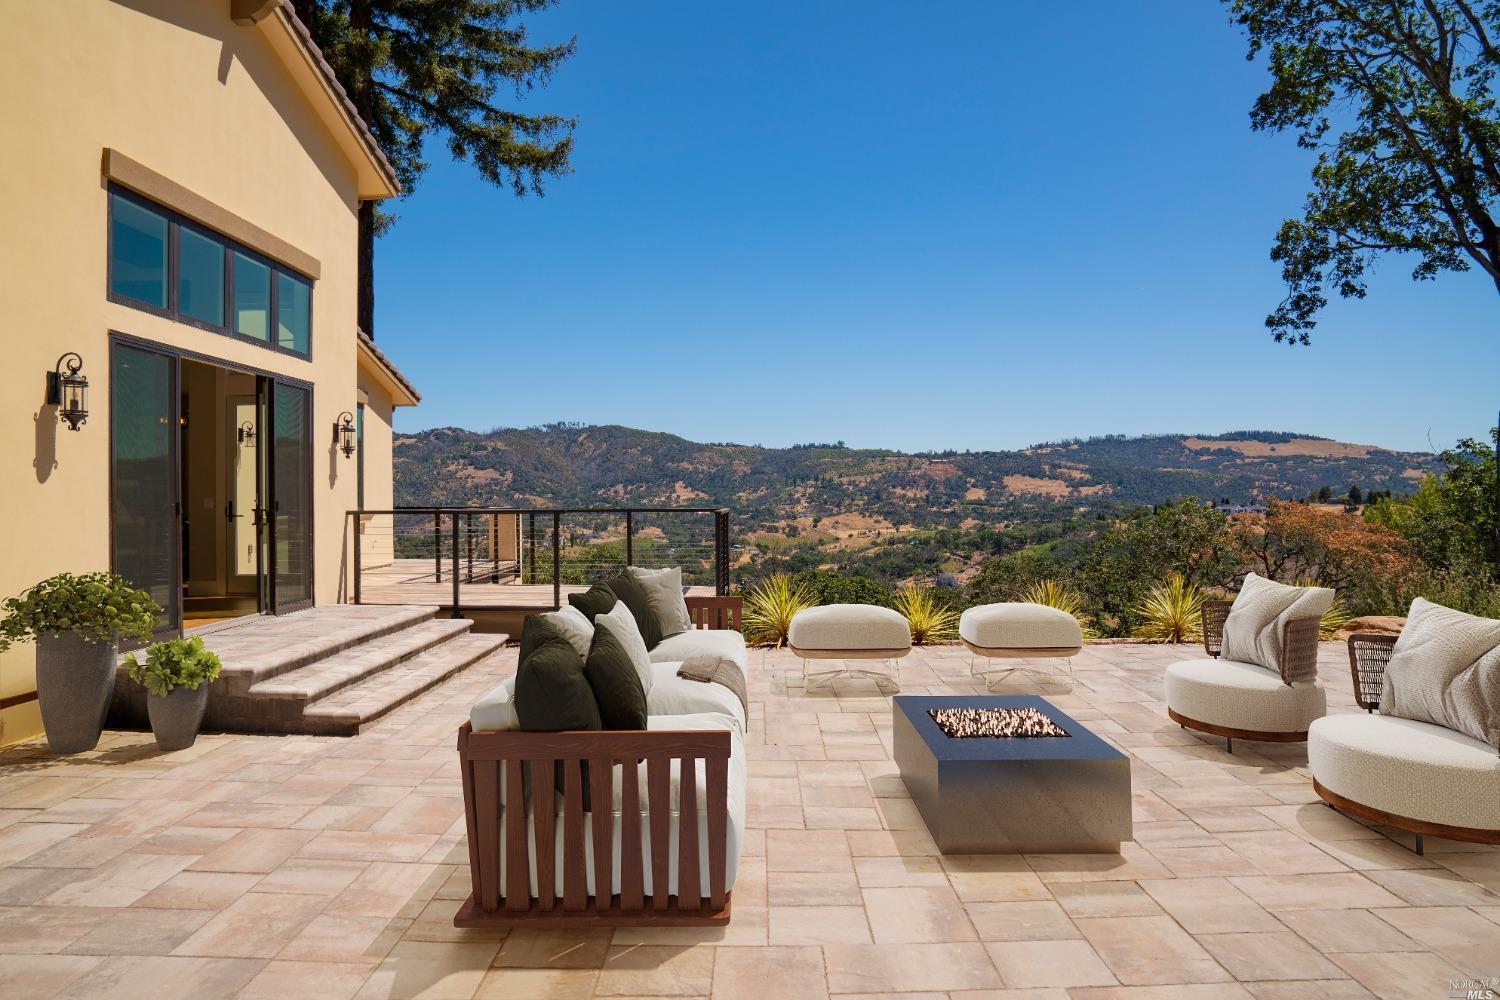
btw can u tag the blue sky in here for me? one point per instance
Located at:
(968, 225)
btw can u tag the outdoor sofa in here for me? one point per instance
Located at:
(543, 853)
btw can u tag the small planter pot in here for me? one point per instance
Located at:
(75, 680)
(175, 719)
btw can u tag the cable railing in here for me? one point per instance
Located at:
(519, 559)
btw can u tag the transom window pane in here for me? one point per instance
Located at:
(252, 297)
(293, 312)
(200, 277)
(138, 253)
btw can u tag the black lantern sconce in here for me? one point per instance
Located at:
(343, 433)
(69, 391)
(246, 434)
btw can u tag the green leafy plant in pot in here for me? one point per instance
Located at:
(76, 620)
(176, 674)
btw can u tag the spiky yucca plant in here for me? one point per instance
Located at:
(928, 620)
(1335, 618)
(1172, 612)
(770, 606)
(1053, 594)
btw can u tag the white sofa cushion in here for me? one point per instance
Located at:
(1412, 769)
(1020, 626)
(849, 626)
(1252, 632)
(496, 711)
(622, 625)
(1242, 696)
(1445, 670)
(673, 695)
(719, 641)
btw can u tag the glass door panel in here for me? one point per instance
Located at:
(243, 509)
(291, 497)
(145, 520)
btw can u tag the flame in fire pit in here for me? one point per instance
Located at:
(992, 723)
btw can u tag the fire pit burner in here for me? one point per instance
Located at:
(992, 723)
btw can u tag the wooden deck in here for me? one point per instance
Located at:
(415, 581)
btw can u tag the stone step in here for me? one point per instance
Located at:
(267, 647)
(346, 712)
(322, 678)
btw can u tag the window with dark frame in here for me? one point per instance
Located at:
(164, 263)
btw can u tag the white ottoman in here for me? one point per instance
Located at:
(849, 632)
(1016, 631)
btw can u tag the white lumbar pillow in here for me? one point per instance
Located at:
(1252, 632)
(621, 624)
(575, 627)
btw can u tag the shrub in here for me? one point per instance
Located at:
(1053, 594)
(1171, 612)
(177, 663)
(770, 606)
(836, 588)
(1008, 577)
(98, 607)
(928, 620)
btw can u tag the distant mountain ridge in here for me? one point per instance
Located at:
(611, 465)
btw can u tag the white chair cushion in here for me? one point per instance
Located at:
(673, 695)
(1020, 626)
(496, 711)
(849, 626)
(718, 641)
(1412, 769)
(1242, 696)
(574, 626)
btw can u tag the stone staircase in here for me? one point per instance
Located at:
(327, 671)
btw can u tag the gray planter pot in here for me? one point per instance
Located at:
(75, 680)
(175, 719)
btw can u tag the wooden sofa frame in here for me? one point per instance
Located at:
(528, 761)
(1369, 652)
(1299, 662)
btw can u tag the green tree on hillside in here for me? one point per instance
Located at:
(1397, 97)
(415, 68)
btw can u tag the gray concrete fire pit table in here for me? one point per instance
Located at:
(1010, 795)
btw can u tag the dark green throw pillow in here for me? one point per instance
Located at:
(537, 631)
(552, 693)
(617, 687)
(598, 600)
(634, 598)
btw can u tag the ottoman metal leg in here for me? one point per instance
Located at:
(813, 681)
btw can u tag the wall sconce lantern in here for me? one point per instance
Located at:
(69, 391)
(246, 434)
(343, 433)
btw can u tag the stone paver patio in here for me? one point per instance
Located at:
(327, 867)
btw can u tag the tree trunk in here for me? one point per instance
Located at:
(366, 311)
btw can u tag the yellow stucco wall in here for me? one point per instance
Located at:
(178, 87)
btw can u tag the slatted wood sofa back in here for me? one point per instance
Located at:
(485, 757)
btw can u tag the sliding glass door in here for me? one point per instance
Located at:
(290, 476)
(145, 516)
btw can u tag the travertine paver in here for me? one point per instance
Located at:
(292, 866)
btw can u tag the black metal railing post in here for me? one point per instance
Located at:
(358, 544)
(457, 576)
(629, 538)
(531, 544)
(721, 553)
(469, 543)
(556, 560)
(437, 544)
